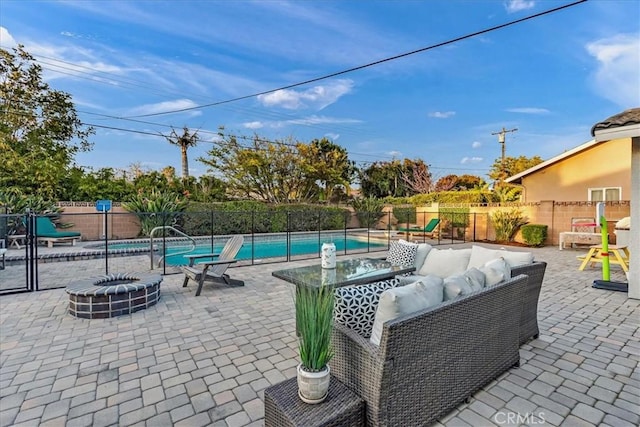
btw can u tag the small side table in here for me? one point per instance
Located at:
(16, 239)
(283, 407)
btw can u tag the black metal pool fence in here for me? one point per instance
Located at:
(30, 267)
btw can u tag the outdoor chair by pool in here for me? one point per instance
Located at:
(429, 230)
(214, 269)
(47, 232)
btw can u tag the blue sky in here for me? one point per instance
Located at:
(551, 77)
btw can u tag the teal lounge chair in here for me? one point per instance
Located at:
(47, 232)
(429, 229)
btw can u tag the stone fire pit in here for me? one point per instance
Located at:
(113, 295)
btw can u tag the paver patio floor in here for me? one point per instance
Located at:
(196, 361)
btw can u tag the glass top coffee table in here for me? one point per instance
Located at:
(349, 272)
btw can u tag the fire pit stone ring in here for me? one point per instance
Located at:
(113, 295)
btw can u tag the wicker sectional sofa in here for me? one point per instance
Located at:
(431, 360)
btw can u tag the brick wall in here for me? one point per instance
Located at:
(85, 219)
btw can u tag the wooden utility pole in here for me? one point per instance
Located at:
(501, 138)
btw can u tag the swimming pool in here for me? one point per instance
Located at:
(273, 248)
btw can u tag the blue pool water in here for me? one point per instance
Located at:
(272, 248)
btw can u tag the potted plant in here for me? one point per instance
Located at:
(314, 320)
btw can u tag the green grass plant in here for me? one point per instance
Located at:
(314, 320)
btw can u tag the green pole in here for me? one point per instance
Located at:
(606, 273)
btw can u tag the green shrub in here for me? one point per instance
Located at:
(405, 214)
(244, 217)
(534, 234)
(507, 223)
(368, 210)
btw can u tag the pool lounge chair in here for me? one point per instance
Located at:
(429, 230)
(46, 232)
(213, 270)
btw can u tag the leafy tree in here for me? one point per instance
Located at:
(446, 183)
(512, 166)
(40, 132)
(184, 141)
(276, 172)
(395, 178)
(328, 163)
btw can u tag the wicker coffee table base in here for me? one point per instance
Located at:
(283, 407)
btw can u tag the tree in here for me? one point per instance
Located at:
(274, 172)
(184, 141)
(416, 176)
(40, 132)
(512, 166)
(328, 163)
(446, 183)
(396, 178)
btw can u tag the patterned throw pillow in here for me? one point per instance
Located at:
(356, 305)
(402, 253)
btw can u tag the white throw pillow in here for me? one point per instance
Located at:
(475, 278)
(445, 262)
(455, 286)
(516, 259)
(496, 271)
(463, 284)
(481, 255)
(404, 300)
(402, 253)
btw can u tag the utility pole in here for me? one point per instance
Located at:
(501, 138)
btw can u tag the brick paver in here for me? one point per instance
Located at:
(207, 360)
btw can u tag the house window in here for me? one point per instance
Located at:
(605, 194)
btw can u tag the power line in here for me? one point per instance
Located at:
(371, 64)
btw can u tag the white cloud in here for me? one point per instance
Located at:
(513, 6)
(161, 107)
(332, 136)
(442, 114)
(396, 154)
(528, 110)
(616, 76)
(317, 97)
(310, 120)
(253, 125)
(476, 144)
(6, 39)
(466, 160)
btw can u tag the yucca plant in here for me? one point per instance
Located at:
(507, 223)
(155, 209)
(314, 320)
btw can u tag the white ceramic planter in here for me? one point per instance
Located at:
(328, 255)
(313, 386)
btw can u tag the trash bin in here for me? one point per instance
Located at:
(622, 232)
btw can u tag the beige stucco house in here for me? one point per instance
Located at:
(594, 171)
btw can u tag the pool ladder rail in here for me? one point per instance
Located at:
(178, 232)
